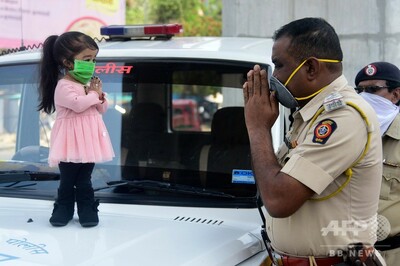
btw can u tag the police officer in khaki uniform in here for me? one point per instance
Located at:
(379, 84)
(321, 189)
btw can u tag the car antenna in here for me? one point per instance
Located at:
(22, 27)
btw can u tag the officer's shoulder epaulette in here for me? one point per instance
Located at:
(394, 129)
(333, 102)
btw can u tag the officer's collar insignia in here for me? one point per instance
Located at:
(291, 144)
(323, 131)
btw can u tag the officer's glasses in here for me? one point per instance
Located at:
(370, 89)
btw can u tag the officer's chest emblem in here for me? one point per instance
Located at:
(324, 130)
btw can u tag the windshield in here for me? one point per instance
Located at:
(174, 122)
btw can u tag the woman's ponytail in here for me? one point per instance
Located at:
(50, 71)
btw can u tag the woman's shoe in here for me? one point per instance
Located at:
(63, 210)
(61, 215)
(87, 207)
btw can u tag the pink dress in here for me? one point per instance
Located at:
(79, 134)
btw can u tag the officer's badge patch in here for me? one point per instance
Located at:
(324, 130)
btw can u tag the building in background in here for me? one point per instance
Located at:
(29, 22)
(369, 30)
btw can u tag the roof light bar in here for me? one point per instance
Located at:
(150, 30)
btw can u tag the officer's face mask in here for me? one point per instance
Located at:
(283, 95)
(83, 70)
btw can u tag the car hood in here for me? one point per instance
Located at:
(127, 235)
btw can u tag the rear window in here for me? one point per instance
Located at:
(190, 92)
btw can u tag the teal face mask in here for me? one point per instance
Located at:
(83, 71)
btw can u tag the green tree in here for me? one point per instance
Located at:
(198, 17)
(136, 12)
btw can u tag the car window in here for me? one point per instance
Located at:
(16, 82)
(179, 122)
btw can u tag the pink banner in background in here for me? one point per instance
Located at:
(28, 22)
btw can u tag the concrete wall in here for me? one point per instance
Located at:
(369, 30)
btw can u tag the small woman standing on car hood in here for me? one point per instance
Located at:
(79, 137)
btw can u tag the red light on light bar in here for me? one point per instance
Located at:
(168, 29)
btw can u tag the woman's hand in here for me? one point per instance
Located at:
(97, 86)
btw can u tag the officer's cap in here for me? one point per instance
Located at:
(378, 70)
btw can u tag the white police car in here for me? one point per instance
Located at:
(180, 190)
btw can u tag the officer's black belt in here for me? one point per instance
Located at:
(388, 243)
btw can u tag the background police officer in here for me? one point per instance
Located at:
(379, 84)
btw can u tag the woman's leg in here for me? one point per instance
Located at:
(87, 205)
(64, 205)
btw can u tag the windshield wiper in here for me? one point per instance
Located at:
(19, 176)
(165, 186)
(15, 185)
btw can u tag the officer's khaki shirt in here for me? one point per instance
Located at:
(320, 228)
(389, 204)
